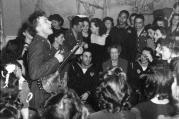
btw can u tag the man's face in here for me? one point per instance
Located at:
(161, 23)
(86, 58)
(114, 53)
(79, 27)
(122, 18)
(85, 27)
(145, 56)
(139, 24)
(175, 20)
(44, 25)
(165, 53)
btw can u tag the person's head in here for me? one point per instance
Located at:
(57, 37)
(40, 23)
(158, 47)
(113, 93)
(57, 20)
(161, 79)
(147, 55)
(77, 23)
(108, 22)
(123, 17)
(150, 30)
(176, 7)
(86, 25)
(86, 57)
(97, 27)
(175, 20)
(132, 18)
(160, 32)
(160, 22)
(167, 50)
(139, 22)
(114, 51)
(64, 105)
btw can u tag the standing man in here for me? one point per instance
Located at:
(74, 34)
(141, 33)
(42, 59)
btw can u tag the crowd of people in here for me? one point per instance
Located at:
(94, 69)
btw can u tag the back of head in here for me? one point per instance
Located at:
(161, 79)
(113, 93)
(64, 105)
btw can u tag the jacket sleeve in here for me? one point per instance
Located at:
(37, 67)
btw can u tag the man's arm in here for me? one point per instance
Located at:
(37, 67)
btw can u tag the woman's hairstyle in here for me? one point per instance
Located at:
(33, 19)
(56, 17)
(161, 80)
(160, 19)
(98, 23)
(55, 35)
(65, 105)
(113, 93)
(110, 19)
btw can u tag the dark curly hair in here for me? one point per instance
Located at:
(98, 23)
(113, 93)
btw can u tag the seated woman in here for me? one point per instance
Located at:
(159, 104)
(65, 105)
(112, 97)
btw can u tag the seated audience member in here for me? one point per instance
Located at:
(83, 77)
(115, 59)
(160, 32)
(112, 97)
(135, 76)
(160, 82)
(174, 29)
(65, 105)
(57, 23)
(150, 33)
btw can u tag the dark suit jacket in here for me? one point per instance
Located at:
(70, 40)
(121, 63)
(108, 115)
(41, 63)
